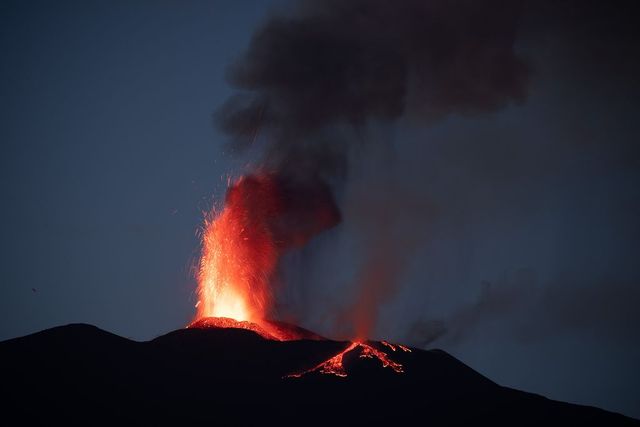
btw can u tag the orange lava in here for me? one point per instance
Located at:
(239, 255)
(270, 330)
(395, 347)
(335, 365)
(225, 322)
(373, 353)
(264, 215)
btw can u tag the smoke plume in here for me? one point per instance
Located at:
(330, 63)
(314, 80)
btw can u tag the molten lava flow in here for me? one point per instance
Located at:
(335, 365)
(332, 366)
(394, 347)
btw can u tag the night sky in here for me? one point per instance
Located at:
(514, 229)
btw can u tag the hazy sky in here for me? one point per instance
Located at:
(526, 219)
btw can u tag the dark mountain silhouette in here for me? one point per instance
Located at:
(226, 376)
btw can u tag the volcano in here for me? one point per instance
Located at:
(223, 372)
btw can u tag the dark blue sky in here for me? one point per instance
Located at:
(109, 157)
(527, 218)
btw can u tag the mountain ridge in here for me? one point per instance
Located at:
(79, 372)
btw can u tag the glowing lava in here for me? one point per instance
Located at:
(270, 330)
(395, 347)
(335, 365)
(264, 215)
(239, 255)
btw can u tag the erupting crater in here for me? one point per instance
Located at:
(271, 330)
(280, 331)
(263, 216)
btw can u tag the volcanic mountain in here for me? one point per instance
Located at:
(220, 373)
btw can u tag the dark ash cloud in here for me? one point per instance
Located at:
(330, 63)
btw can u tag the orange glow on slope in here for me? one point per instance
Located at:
(225, 322)
(395, 347)
(373, 353)
(335, 365)
(270, 330)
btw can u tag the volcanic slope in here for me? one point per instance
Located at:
(230, 376)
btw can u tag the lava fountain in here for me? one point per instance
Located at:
(264, 214)
(239, 254)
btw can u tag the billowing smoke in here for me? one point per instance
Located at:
(332, 62)
(315, 79)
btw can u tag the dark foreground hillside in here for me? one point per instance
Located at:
(235, 377)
